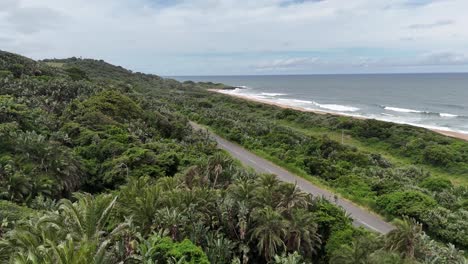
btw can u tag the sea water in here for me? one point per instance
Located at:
(435, 101)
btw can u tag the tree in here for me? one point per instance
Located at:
(266, 193)
(292, 197)
(293, 258)
(88, 216)
(77, 233)
(269, 231)
(405, 237)
(171, 219)
(216, 169)
(357, 252)
(302, 232)
(219, 249)
(141, 199)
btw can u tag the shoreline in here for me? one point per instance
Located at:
(451, 134)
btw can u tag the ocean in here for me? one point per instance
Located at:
(434, 101)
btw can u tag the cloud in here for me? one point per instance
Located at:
(6, 5)
(302, 64)
(285, 64)
(439, 23)
(418, 3)
(297, 2)
(5, 39)
(33, 19)
(445, 58)
(231, 36)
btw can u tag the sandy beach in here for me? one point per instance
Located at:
(443, 132)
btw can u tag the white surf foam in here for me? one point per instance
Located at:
(274, 94)
(414, 122)
(402, 110)
(294, 101)
(447, 115)
(349, 110)
(337, 107)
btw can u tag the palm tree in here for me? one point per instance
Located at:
(386, 257)
(172, 220)
(292, 196)
(268, 181)
(71, 252)
(242, 191)
(267, 191)
(293, 258)
(88, 216)
(302, 232)
(15, 187)
(219, 249)
(350, 254)
(168, 183)
(140, 199)
(270, 229)
(76, 233)
(405, 237)
(217, 164)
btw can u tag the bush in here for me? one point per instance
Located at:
(436, 184)
(12, 212)
(5, 74)
(17, 70)
(438, 155)
(76, 74)
(410, 203)
(164, 250)
(354, 185)
(339, 238)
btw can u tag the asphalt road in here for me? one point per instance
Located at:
(360, 216)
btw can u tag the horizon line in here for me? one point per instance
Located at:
(309, 74)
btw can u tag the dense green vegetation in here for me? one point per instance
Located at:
(386, 183)
(97, 165)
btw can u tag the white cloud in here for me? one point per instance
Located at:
(439, 23)
(445, 58)
(285, 64)
(152, 35)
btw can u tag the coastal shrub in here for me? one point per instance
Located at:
(4, 74)
(448, 225)
(17, 70)
(164, 250)
(438, 155)
(11, 212)
(339, 238)
(76, 74)
(436, 184)
(410, 203)
(355, 186)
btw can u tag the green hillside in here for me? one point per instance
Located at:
(99, 165)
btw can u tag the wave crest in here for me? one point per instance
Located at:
(401, 110)
(273, 94)
(407, 110)
(337, 107)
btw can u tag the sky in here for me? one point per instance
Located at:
(237, 37)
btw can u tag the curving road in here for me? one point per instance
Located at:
(360, 216)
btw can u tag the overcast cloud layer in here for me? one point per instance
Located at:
(206, 37)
